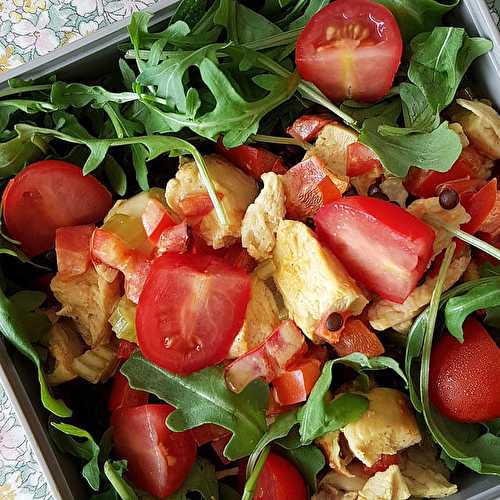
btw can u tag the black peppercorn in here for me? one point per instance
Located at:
(334, 322)
(448, 199)
(373, 190)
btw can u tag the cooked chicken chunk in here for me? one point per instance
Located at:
(386, 428)
(387, 485)
(430, 211)
(330, 444)
(261, 318)
(393, 188)
(331, 147)
(262, 218)
(89, 300)
(235, 189)
(64, 346)
(384, 314)
(312, 281)
(97, 364)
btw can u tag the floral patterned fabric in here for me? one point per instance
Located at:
(28, 29)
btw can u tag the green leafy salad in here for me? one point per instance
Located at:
(259, 257)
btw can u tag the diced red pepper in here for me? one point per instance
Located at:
(357, 337)
(491, 224)
(73, 249)
(109, 249)
(308, 127)
(308, 187)
(360, 160)
(267, 360)
(197, 205)
(382, 464)
(252, 160)
(207, 433)
(274, 408)
(123, 396)
(480, 205)
(174, 239)
(156, 219)
(125, 349)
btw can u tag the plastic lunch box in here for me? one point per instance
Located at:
(87, 58)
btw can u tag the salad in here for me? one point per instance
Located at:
(261, 258)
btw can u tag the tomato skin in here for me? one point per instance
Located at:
(190, 310)
(308, 127)
(360, 160)
(156, 219)
(123, 396)
(73, 249)
(463, 378)
(382, 246)
(125, 349)
(382, 464)
(239, 257)
(461, 186)
(479, 206)
(57, 194)
(158, 460)
(357, 337)
(252, 160)
(279, 480)
(342, 61)
(174, 239)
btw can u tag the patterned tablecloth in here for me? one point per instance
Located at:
(28, 29)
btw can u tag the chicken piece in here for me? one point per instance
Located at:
(331, 146)
(394, 189)
(387, 485)
(425, 475)
(262, 218)
(330, 444)
(430, 211)
(64, 346)
(383, 314)
(261, 319)
(97, 364)
(235, 189)
(89, 300)
(481, 123)
(312, 281)
(386, 428)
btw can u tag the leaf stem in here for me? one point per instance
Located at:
(119, 484)
(271, 139)
(251, 483)
(20, 90)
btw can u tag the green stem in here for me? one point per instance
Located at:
(20, 90)
(120, 133)
(271, 139)
(121, 487)
(251, 483)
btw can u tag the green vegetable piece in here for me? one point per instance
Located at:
(482, 296)
(114, 472)
(252, 26)
(251, 484)
(123, 320)
(84, 448)
(202, 397)
(201, 479)
(116, 175)
(418, 114)
(189, 11)
(489, 270)
(14, 329)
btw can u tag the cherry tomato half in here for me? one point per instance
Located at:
(351, 49)
(308, 127)
(158, 460)
(190, 311)
(480, 205)
(47, 195)
(123, 396)
(463, 378)
(382, 246)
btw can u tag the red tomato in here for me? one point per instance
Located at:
(351, 49)
(174, 239)
(136, 272)
(308, 187)
(267, 360)
(360, 160)
(383, 246)
(253, 161)
(52, 194)
(424, 183)
(156, 219)
(123, 396)
(357, 337)
(382, 464)
(461, 186)
(73, 249)
(196, 205)
(479, 206)
(279, 480)
(208, 432)
(107, 248)
(219, 445)
(463, 378)
(190, 311)
(308, 127)
(125, 349)
(491, 225)
(158, 460)
(294, 385)
(239, 257)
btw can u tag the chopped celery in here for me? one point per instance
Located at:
(123, 320)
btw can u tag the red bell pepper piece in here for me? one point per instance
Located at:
(308, 127)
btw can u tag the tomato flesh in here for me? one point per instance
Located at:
(463, 378)
(190, 310)
(47, 195)
(125, 349)
(479, 206)
(357, 337)
(123, 396)
(207, 433)
(382, 464)
(156, 219)
(381, 245)
(279, 480)
(73, 249)
(158, 460)
(350, 49)
(360, 160)
(174, 239)
(308, 127)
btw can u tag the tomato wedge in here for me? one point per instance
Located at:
(73, 249)
(382, 246)
(279, 480)
(158, 460)
(480, 205)
(308, 127)
(463, 378)
(208, 432)
(123, 396)
(351, 49)
(190, 311)
(360, 159)
(47, 195)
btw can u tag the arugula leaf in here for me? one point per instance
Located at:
(493, 317)
(228, 493)
(440, 60)
(114, 470)
(202, 397)
(437, 150)
(14, 329)
(309, 460)
(482, 296)
(116, 175)
(312, 8)
(84, 448)
(488, 270)
(418, 114)
(252, 26)
(418, 16)
(201, 479)
(189, 11)
(387, 111)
